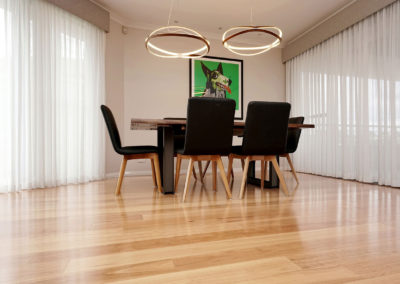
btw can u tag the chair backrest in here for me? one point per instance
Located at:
(209, 126)
(266, 128)
(111, 127)
(294, 134)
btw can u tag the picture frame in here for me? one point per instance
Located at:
(217, 77)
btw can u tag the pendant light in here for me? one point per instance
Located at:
(171, 33)
(251, 50)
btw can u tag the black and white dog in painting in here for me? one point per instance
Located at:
(217, 84)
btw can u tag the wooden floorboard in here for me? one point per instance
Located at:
(327, 231)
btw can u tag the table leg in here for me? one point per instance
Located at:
(273, 181)
(273, 177)
(166, 148)
(160, 146)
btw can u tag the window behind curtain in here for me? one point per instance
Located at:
(51, 88)
(349, 87)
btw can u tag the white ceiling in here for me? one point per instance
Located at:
(212, 17)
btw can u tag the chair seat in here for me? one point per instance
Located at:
(131, 150)
(237, 150)
(182, 152)
(290, 149)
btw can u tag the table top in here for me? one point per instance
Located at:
(145, 124)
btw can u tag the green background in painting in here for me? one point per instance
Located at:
(230, 70)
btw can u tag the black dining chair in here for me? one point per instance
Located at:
(293, 138)
(131, 152)
(264, 138)
(179, 142)
(209, 130)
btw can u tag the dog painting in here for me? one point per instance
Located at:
(217, 78)
(217, 84)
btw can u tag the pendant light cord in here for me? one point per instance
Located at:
(251, 16)
(170, 11)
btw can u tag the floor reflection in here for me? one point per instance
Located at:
(324, 223)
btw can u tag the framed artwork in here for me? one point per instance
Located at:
(219, 78)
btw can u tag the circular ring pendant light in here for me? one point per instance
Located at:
(251, 50)
(170, 32)
(234, 32)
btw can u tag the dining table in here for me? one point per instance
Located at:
(167, 128)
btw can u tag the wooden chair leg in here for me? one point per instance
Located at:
(223, 176)
(244, 178)
(194, 173)
(280, 176)
(205, 168)
(200, 171)
(158, 173)
(153, 174)
(121, 176)
(292, 167)
(177, 172)
(189, 173)
(262, 174)
(242, 162)
(230, 171)
(214, 173)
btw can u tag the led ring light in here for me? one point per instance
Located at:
(249, 29)
(177, 32)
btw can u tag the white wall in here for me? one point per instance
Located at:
(155, 88)
(114, 88)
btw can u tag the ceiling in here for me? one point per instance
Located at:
(211, 17)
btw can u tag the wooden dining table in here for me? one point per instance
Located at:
(166, 128)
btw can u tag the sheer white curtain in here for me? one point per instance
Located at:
(349, 87)
(51, 88)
